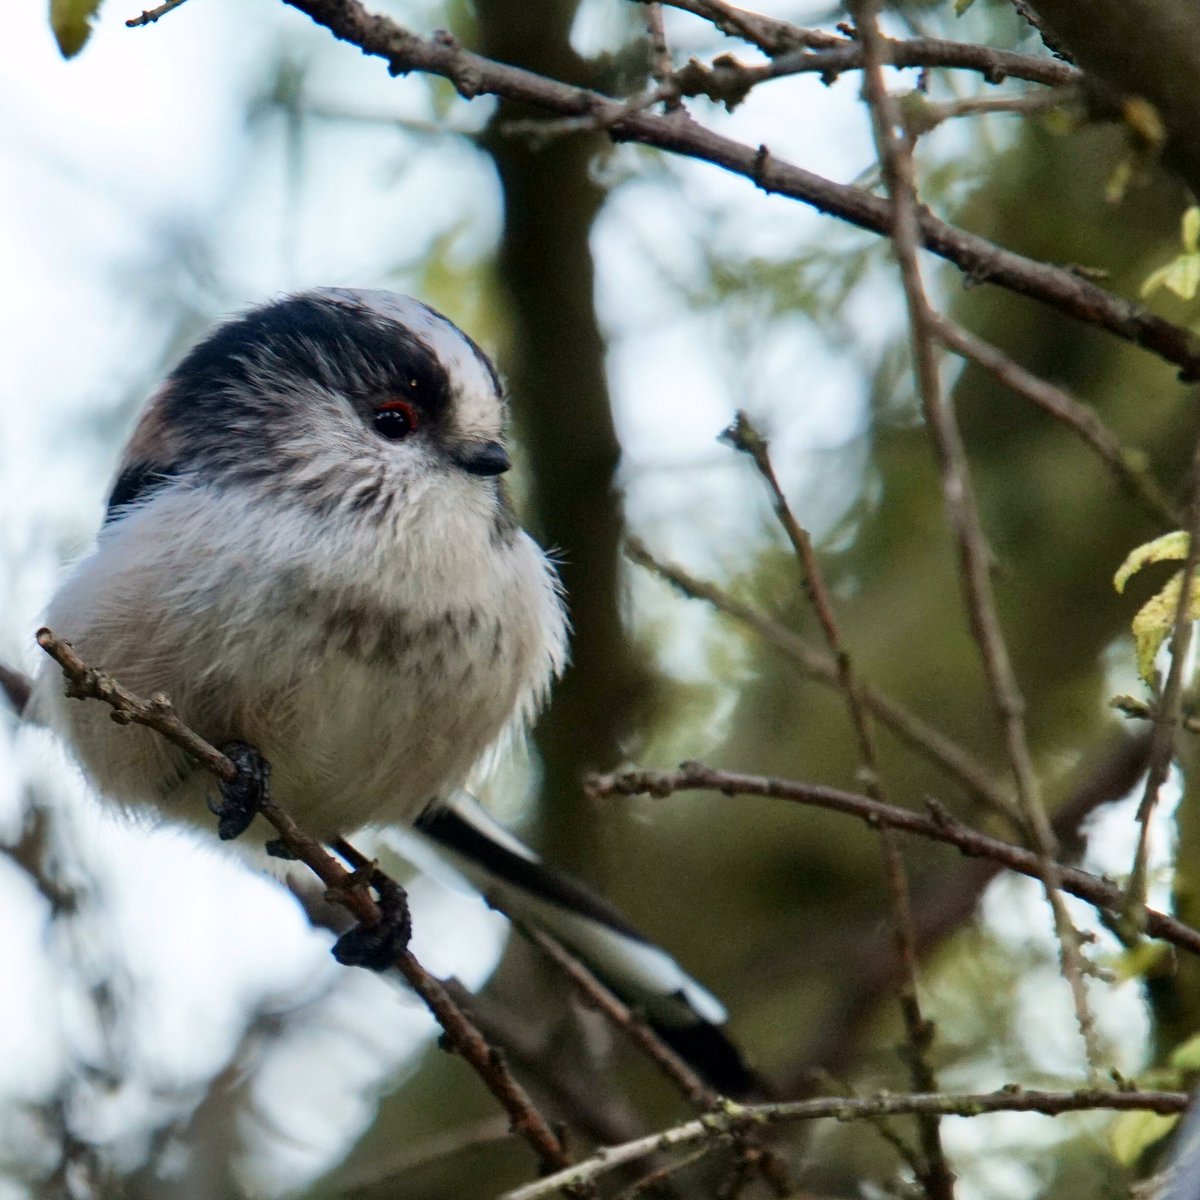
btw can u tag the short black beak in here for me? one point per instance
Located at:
(483, 458)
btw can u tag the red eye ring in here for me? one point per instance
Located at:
(395, 419)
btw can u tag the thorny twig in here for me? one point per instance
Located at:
(345, 887)
(934, 1173)
(938, 825)
(723, 1124)
(895, 157)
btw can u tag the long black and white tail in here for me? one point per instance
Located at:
(687, 1016)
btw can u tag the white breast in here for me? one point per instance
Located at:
(373, 665)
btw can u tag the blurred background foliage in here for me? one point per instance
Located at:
(629, 296)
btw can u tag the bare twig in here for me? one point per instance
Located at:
(939, 826)
(660, 52)
(934, 1173)
(895, 157)
(654, 1180)
(474, 75)
(928, 115)
(780, 39)
(769, 34)
(1126, 467)
(347, 888)
(621, 1016)
(906, 725)
(1131, 706)
(723, 1124)
(150, 15)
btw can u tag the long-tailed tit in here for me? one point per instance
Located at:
(309, 549)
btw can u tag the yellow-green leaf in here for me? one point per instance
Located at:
(1153, 622)
(1118, 182)
(1139, 960)
(1134, 1132)
(1191, 229)
(71, 21)
(1186, 1056)
(1181, 276)
(1171, 547)
(961, 6)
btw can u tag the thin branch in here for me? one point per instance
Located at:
(723, 1124)
(938, 826)
(347, 888)
(1132, 707)
(780, 39)
(150, 15)
(622, 1017)
(906, 725)
(660, 53)
(589, 1103)
(935, 1174)
(619, 1014)
(729, 81)
(922, 118)
(769, 34)
(895, 158)
(1126, 466)
(474, 75)
(654, 1180)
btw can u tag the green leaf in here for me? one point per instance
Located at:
(1186, 1056)
(1134, 1132)
(1191, 229)
(1181, 276)
(961, 6)
(1171, 547)
(1139, 960)
(71, 21)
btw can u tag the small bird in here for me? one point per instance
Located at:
(309, 548)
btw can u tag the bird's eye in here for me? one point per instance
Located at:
(395, 419)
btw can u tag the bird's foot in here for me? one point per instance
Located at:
(241, 800)
(377, 947)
